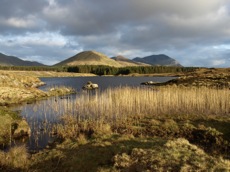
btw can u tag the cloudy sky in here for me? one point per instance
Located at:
(194, 32)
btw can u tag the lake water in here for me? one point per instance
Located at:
(103, 81)
(43, 115)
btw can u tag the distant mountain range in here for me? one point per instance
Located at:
(89, 58)
(15, 61)
(96, 58)
(127, 62)
(159, 60)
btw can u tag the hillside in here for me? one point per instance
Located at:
(15, 61)
(127, 62)
(89, 58)
(160, 59)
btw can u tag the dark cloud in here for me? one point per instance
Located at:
(189, 31)
(22, 8)
(21, 16)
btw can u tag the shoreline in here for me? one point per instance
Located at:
(48, 74)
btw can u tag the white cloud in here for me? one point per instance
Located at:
(16, 22)
(217, 62)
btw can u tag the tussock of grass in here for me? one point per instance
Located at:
(7, 118)
(71, 128)
(58, 91)
(5, 129)
(16, 159)
(175, 155)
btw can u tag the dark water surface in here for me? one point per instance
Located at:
(103, 81)
(43, 115)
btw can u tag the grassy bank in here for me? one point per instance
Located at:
(16, 89)
(45, 73)
(204, 77)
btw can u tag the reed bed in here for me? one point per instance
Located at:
(124, 106)
(126, 101)
(102, 111)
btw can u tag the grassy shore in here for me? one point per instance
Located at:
(45, 73)
(204, 77)
(169, 128)
(16, 89)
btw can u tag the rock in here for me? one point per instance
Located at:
(149, 83)
(90, 86)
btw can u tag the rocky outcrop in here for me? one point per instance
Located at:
(149, 83)
(90, 86)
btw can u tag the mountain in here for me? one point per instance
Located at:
(15, 61)
(89, 58)
(127, 62)
(161, 60)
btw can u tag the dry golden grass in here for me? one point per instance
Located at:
(175, 155)
(120, 103)
(16, 159)
(16, 79)
(115, 110)
(45, 73)
(16, 87)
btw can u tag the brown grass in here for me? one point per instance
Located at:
(45, 73)
(120, 103)
(16, 159)
(175, 155)
(142, 111)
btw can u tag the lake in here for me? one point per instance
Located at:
(103, 81)
(43, 115)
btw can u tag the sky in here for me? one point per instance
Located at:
(194, 32)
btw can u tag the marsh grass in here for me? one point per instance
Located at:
(121, 103)
(144, 111)
(7, 118)
(16, 159)
(126, 106)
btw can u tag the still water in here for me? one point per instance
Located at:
(43, 115)
(103, 82)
